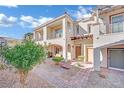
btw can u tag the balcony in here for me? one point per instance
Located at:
(111, 28)
(108, 35)
(54, 34)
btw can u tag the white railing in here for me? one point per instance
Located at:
(38, 36)
(39, 39)
(111, 28)
(102, 29)
(55, 35)
(116, 27)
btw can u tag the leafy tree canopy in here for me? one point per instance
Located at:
(25, 55)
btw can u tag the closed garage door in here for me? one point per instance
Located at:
(116, 58)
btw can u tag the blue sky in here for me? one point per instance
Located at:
(15, 21)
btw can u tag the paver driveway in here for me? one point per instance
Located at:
(77, 78)
(51, 76)
(63, 78)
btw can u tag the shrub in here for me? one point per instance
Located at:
(24, 57)
(2, 66)
(80, 58)
(57, 59)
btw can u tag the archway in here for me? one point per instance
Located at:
(54, 49)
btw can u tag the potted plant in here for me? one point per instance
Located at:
(80, 60)
(57, 59)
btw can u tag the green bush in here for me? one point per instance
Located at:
(25, 56)
(57, 59)
(2, 66)
(80, 58)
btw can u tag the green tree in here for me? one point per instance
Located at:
(24, 57)
(28, 36)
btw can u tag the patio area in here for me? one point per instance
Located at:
(49, 75)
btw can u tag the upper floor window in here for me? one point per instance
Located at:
(69, 27)
(77, 29)
(117, 23)
(89, 28)
(58, 33)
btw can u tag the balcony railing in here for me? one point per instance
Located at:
(111, 28)
(39, 39)
(117, 27)
(56, 35)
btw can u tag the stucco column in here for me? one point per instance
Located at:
(34, 36)
(64, 29)
(44, 33)
(72, 52)
(64, 52)
(96, 59)
(96, 51)
(39, 36)
(85, 51)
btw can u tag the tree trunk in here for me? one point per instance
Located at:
(23, 76)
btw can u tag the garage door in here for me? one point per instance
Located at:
(116, 58)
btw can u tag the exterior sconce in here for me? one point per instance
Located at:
(97, 38)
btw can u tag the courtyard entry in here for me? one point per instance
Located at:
(78, 50)
(54, 49)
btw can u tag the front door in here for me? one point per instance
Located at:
(78, 51)
(90, 54)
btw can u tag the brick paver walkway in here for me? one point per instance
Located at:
(51, 75)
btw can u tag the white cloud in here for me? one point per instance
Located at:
(29, 21)
(7, 21)
(87, 15)
(81, 12)
(10, 6)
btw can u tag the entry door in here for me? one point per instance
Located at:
(78, 51)
(116, 58)
(90, 54)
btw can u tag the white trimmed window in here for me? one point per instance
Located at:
(117, 23)
(77, 29)
(89, 28)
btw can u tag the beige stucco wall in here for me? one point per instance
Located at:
(83, 29)
(83, 26)
(68, 28)
(102, 42)
(106, 39)
(103, 57)
(84, 43)
(67, 32)
(106, 17)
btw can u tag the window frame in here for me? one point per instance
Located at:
(111, 23)
(89, 28)
(77, 29)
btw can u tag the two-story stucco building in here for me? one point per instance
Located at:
(99, 38)
(108, 38)
(67, 37)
